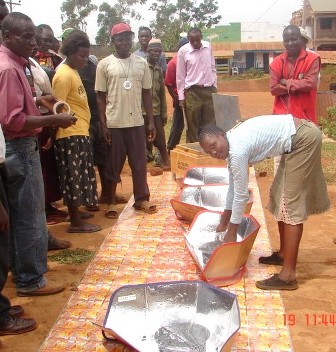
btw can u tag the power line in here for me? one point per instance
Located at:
(263, 14)
(11, 3)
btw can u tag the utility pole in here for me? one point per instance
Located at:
(11, 3)
(304, 14)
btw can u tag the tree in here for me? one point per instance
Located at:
(109, 15)
(124, 8)
(74, 13)
(175, 17)
(106, 18)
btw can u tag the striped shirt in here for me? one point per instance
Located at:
(249, 143)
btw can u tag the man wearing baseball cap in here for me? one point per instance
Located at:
(123, 81)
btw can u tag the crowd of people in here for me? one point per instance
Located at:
(110, 110)
(116, 109)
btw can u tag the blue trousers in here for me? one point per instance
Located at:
(28, 226)
(4, 262)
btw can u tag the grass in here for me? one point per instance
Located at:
(328, 163)
(72, 256)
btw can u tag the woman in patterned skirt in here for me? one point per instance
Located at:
(72, 146)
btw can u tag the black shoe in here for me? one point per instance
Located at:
(15, 325)
(273, 259)
(16, 311)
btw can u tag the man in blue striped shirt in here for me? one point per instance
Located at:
(298, 190)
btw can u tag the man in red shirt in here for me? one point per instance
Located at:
(294, 78)
(170, 81)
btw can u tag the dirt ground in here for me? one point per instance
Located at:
(316, 265)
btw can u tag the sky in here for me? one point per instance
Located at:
(273, 11)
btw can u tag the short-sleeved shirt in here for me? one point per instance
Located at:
(123, 106)
(67, 86)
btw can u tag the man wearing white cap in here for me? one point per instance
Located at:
(123, 81)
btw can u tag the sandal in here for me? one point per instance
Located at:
(146, 207)
(274, 283)
(156, 171)
(112, 211)
(273, 259)
(83, 214)
(87, 228)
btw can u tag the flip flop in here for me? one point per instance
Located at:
(52, 221)
(146, 207)
(88, 228)
(111, 212)
(83, 214)
(156, 171)
(275, 283)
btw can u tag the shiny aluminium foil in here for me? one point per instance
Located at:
(222, 262)
(186, 316)
(192, 199)
(199, 176)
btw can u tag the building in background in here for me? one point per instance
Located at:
(318, 17)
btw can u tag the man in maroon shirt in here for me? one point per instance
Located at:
(170, 81)
(21, 122)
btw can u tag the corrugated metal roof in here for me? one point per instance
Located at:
(323, 5)
(223, 53)
(328, 57)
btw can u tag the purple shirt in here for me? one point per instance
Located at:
(195, 67)
(17, 101)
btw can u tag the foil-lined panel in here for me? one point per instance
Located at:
(203, 239)
(173, 316)
(200, 176)
(207, 197)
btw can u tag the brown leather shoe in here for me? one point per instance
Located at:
(48, 289)
(15, 325)
(15, 311)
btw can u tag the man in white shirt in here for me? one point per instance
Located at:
(196, 80)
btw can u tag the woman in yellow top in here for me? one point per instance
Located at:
(72, 147)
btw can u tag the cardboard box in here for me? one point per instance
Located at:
(186, 156)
